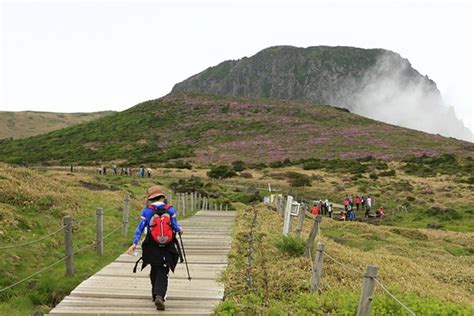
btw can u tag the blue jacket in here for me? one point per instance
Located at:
(145, 217)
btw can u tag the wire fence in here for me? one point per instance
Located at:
(68, 226)
(33, 241)
(359, 271)
(317, 267)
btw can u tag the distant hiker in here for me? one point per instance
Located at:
(330, 210)
(351, 215)
(315, 210)
(114, 167)
(141, 172)
(148, 172)
(369, 202)
(322, 207)
(367, 212)
(104, 170)
(362, 202)
(346, 202)
(342, 215)
(380, 213)
(72, 168)
(326, 206)
(357, 202)
(160, 249)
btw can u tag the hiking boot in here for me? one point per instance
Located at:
(159, 303)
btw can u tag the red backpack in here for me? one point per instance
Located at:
(160, 226)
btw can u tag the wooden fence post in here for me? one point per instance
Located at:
(125, 215)
(67, 220)
(99, 245)
(317, 268)
(301, 216)
(312, 235)
(368, 287)
(192, 201)
(184, 203)
(220, 207)
(287, 218)
(282, 207)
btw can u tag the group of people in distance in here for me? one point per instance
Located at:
(125, 171)
(322, 208)
(351, 205)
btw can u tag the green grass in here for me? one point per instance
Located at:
(408, 261)
(48, 288)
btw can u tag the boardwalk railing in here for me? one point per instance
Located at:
(370, 275)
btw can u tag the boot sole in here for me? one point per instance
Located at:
(160, 305)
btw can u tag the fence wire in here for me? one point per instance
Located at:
(394, 298)
(33, 275)
(34, 241)
(90, 245)
(342, 264)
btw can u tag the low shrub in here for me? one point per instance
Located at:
(246, 175)
(238, 165)
(221, 172)
(389, 173)
(293, 246)
(179, 165)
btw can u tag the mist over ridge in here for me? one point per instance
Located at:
(375, 83)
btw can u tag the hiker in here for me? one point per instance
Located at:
(315, 210)
(346, 202)
(160, 248)
(362, 202)
(380, 213)
(342, 215)
(326, 206)
(322, 207)
(330, 210)
(357, 202)
(369, 202)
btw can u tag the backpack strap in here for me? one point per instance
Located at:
(136, 264)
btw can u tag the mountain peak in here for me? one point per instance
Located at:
(375, 83)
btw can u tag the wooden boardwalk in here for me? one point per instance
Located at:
(116, 290)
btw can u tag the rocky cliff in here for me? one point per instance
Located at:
(375, 83)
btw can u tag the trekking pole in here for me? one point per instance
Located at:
(184, 253)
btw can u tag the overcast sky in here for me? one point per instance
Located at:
(85, 56)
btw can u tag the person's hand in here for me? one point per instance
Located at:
(180, 232)
(131, 249)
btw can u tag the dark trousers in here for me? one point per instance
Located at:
(159, 280)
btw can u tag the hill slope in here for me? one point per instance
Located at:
(28, 123)
(375, 83)
(206, 129)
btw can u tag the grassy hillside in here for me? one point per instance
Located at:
(213, 129)
(413, 264)
(32, 205)
(25, 124)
